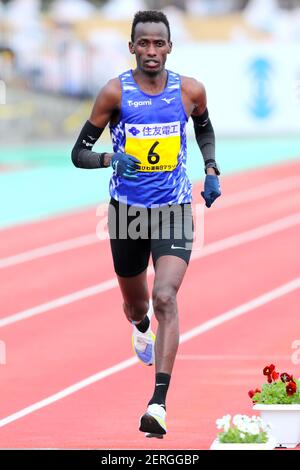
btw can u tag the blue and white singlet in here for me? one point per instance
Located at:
(153, 129)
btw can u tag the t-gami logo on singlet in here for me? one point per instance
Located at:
(136, 104)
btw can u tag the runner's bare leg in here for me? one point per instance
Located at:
(169, 273)
(135, 295)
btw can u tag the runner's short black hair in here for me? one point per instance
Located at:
(150, 16)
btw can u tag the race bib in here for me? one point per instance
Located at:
(156, 145)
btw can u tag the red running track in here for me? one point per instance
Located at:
(48, 352)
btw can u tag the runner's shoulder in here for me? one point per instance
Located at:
(193, 92)
(192, 87)
(111, 91)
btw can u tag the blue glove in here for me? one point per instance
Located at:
(125, 165)
(212, 189)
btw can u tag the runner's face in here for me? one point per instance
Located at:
(150, 47)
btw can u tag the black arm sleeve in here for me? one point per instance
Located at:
(82, 155)
(205, 136)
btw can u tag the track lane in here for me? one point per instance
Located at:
(23, 237)
(200, 393)
(48, 278)
(52, 351)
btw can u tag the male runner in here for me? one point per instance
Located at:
(147, 110)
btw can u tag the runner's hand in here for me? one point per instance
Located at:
(125, 165)
(212, 189)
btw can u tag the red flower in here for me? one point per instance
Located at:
(270, 372)
(251, 393)
(291, 388)
(285, 377)
(275, 375)
(269, 369)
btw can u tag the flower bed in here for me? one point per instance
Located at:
(244, 433)
(278, 402)
(280, 389)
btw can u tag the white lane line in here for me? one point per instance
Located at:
(47, 250)
(69, 390)
(248, 236)
(200, 329)
(61, 301)
(268, 189)
(242, 309)
(207, 250)
(253, 194)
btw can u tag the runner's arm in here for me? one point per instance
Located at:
(204, 130)
(106, 104)
(205, 137)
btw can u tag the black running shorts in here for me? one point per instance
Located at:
(136, 232)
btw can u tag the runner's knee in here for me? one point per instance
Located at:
(164, 302)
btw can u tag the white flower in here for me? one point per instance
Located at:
(245, 424)
(242, 427)
(224, 422)
(246, 419)
(219, 423)
(253, 428)
(227, 419)
(242, 422)
(256, 419)
(261, 423)
(237, 419)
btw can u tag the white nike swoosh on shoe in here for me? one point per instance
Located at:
(159, 384)
(173, 247)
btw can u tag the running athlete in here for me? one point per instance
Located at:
(147, 110)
